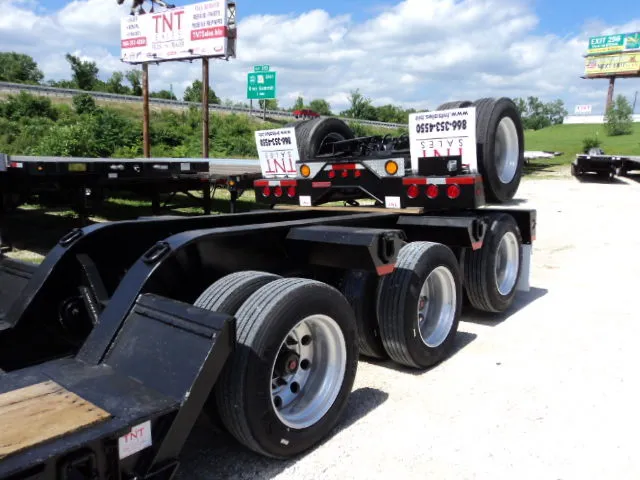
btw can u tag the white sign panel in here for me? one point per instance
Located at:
(583, 109)
(192, 31)
(278, 152)
(443, 133)
(135, 440)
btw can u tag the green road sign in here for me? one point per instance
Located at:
(261, 68)
(261, 85)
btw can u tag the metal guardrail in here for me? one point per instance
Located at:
(114, 97)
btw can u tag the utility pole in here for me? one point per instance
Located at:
(635, 97)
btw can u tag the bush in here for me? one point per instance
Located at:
(589, 143)
(84, 103)
(619, 119)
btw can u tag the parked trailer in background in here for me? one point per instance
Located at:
(608, 166)
(133, 328)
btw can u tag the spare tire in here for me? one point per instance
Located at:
(456, 104)
(500, 147)
(314, 136)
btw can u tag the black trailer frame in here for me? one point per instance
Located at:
(604, 165)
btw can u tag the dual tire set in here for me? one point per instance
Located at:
(298, 341)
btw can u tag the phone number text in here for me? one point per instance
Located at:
(441, 126)
(276, 141)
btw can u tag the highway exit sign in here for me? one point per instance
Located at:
(261, 85)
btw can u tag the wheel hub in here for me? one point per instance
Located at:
(307, 373)
(437, 306)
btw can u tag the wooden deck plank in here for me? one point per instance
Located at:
(42, 412)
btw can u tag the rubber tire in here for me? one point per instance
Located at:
(227, 294)
(360, 288)
(242, 390)
(311, 133)
(489, 112)
(456, 104)
(398, 299)
(479, 267)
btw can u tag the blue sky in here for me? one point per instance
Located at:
(411, 52)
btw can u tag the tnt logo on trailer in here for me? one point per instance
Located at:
(135, 440)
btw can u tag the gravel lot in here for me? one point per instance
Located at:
(548, 391)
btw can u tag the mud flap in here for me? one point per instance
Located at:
(14, 276)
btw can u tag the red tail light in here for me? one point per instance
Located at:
(277, 191)
(266, 191)
(412, 191)
(332, 174)
(432, 191)
(357, 173)
(345, 173)
(291, 192)
(453, 192)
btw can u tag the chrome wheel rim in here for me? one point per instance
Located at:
(308, 371)
(437, 306)
(507, 263)
(506, 150)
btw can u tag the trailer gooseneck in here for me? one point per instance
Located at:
(113, 346)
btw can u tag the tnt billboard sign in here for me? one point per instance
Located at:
(192, 31)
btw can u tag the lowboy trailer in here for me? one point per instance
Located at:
(127, 331)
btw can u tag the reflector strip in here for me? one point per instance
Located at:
(441, 180)
(320, 184)
(347, 166)
(275, 183)
(476, 245)
(16, 164)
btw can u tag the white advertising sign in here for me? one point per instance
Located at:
(443, 133)
(583, 109)
(278, 152)
(192, 31)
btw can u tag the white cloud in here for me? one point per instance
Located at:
(418, 53)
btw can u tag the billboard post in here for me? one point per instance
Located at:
(205, 108)
(146, 139)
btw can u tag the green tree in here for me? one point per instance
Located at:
(299, 104)
(114, 84)
(193, 93)
(320, 106)
(85, 73)
(271, 104)
(166, 94)
(361, 107)
(19, 68)
(619, 117)
(135, 79)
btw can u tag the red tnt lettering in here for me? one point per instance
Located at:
(168, 21)
(138, 432)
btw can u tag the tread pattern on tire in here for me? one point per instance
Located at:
(476, 264)
(455, 104)
(228, 293)
(391, 301)
(230, 386)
